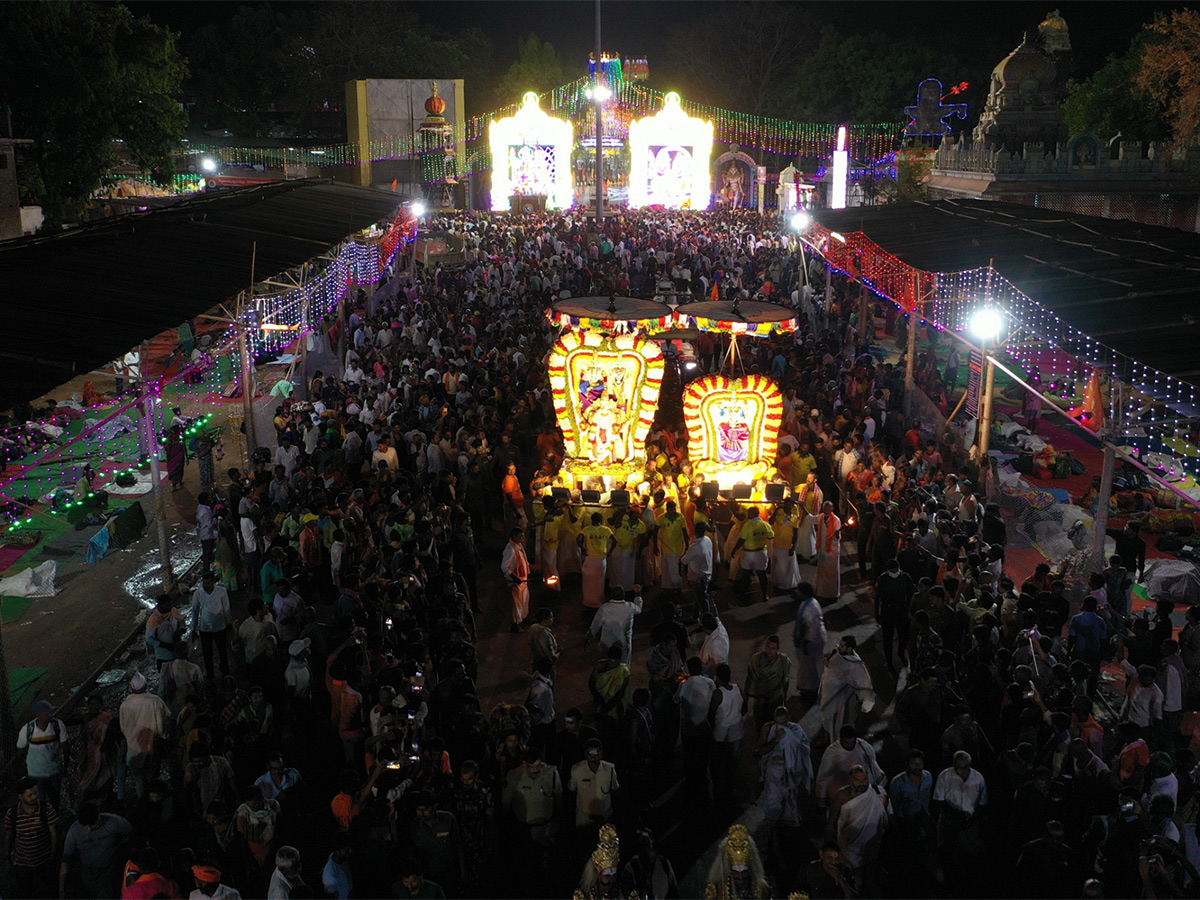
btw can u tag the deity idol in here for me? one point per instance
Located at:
(734, 435)
(607, 426)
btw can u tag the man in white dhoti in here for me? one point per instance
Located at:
(627, 532)
(671, 539)
(785, 570)
(596, 542)
(845, 687)
(861, 824)
(753, 541)
(515, 566)
(809, 501)
(848, 751)
(787, 769)
(829, 554)
(809, 638)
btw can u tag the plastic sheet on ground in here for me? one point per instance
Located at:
(1173, 579)
(36, 582)
(141, 486)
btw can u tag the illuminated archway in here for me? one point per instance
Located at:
(531, 155)
(670, 153)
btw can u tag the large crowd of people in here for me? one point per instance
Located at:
(311, 725)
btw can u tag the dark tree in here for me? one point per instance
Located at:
(91, 86)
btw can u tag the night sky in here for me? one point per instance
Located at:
(639, 28)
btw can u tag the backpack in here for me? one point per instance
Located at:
(29, 730)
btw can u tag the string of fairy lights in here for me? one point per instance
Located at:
(772, 135)
(112, 440)
(1057, 356)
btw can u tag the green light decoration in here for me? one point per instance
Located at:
(813, 140)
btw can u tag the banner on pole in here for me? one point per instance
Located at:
(974, 384)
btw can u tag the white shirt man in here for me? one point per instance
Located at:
(386, 453)
(715, 649)
(698, 558)
(960, 787)
(694, 697)
(613, 623)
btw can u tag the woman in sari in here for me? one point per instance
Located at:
(99, 751)
(228, 561)
(612, 693)
(176, 457)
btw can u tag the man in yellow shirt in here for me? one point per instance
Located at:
(671, 535)
(627, 531)
(753, 540)
(597, 542)
(803, 462)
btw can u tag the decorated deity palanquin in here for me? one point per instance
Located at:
(733, 429)
(605, 389)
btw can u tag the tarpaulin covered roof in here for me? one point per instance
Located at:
(77, 299)
(1133, 287)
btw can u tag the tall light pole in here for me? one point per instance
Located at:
(418, 210)
(597, 96)
(986, 324)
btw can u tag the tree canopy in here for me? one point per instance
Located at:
(265, 68)
(88, 83)
(538, 67)
(1111, 102)
(1171, 74)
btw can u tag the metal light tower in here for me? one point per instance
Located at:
(597, 95)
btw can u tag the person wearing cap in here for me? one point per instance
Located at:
(143, 717)
(209, 886)
(211, 618)
(43, 740)
(298, 675)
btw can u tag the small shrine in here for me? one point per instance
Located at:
(435, 146)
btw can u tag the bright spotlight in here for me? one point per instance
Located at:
(600, 92)
(987, 323)
(208, 164)
(801, 220)
(418, 209)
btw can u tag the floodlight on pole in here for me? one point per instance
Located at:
(801, 220)
(418, 209)
(599, 93)
(208, 164)
(986, 324)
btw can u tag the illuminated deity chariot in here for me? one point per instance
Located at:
(733, 430)
(605, 379)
